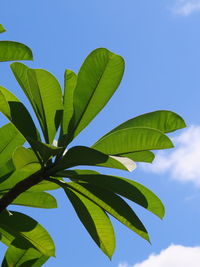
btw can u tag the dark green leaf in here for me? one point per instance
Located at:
(72, 173)
(132, 140)
(81, 155)
(95, 221)
(126, 188)
(10, 51)
(17, 225)
(17, 113)
(112, 204)
(45, 151)
(19, 175)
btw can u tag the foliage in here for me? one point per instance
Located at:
(27, 172)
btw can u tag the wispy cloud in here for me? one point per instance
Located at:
(183, 162)
(186, 7)
(174, 255)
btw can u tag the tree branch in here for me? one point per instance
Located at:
(19, 188)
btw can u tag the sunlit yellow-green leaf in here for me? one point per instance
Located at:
(68, 112)
(10, 51)
(132, 140)
(162, 120)
(10, 138)
(2, 29)
(18, 257)
(98, 79)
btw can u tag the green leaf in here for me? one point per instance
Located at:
(10, 138)
(24, 164)
(10, 51)
(44, 186)
(23, 257)
(140, 156)
(112, 204)
(70, 84)
(2, 29)
(23, 156)
(6, 170)
(71, 173)
(95, 220)
(81, 155)
(17, 113)
(45, 151)
(97, 80)
(45, 95)
(162, 120)
(132, 140)
(36, 200)
(126, 188)
(17, 225)
(20, 72)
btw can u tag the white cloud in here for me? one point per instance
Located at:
(186, 7)
(174, 255)
(183, 162)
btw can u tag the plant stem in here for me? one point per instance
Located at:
(19, 188)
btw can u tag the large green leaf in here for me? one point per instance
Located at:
(17, 113)
(10, 51)
(163, 120)
(36, 200)
(81, 155)
(2, 29)
(132, 140)
(124, 187)
(114, 205)
(97, 80)
(20, 72)
(68, 99)
(45, 95)
(71, 173)
(95, 221)
(10, 138)
(23, 257)
(140, 156)
(17, 225)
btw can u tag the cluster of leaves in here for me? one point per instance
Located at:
(27, 172)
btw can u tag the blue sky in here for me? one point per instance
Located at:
(160, 43)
